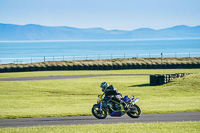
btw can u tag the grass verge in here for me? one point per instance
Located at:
(96, 72)
(72, 97)
(172, 127)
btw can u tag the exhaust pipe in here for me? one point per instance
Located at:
(135, 101)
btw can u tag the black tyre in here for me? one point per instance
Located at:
(134, 111)
(100, 114)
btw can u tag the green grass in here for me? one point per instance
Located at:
(168, 127)
(93, 72)
(71, 97)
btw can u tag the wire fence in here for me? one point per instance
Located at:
(93, 57)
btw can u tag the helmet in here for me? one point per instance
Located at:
(104, 86)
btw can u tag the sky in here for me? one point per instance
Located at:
(107, 14)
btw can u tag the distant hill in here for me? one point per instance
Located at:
(11, 32)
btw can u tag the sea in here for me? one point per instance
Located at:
(20, 52)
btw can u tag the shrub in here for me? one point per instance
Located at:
(31, 68)
(149, 65)
(100, 66)
(43, 67)
(96, 66)
(91, 66)
(1, 69)
(110, 66)
(37, 67)
(105, 66)
(139, 65)
(85, 66)
(179, 65)
(75, 66)
(195, 64)
(164, 65)
(125, 66)
(80, 66)
(19, 68)
(183, 64)
(25, 68)
(189, 65)
(134, 65)
(174, 65)
(48, 66)
(129, 65)
(144, 65)
(65, 66)
(169, 65)
(13, 68)
(115, 67)
(60, 66)
(119, 65)
(154, 65)
(70, 66)
(54, 66)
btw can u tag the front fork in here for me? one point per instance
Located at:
(100, 106)
(134, 102)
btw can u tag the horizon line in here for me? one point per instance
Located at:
(111, 40)
(101, 27)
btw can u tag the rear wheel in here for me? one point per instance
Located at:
(134, 111)
(100, 114)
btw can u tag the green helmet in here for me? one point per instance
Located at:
(104, 86)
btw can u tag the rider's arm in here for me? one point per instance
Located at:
(110, 90)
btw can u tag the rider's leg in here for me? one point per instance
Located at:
(121, 102)
(124, 104)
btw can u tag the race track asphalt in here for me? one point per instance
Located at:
(79, 120)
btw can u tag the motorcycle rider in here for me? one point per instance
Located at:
(112, 93)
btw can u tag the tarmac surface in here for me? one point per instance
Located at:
(80, 120)
(66, 77)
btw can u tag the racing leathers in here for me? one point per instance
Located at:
(112, 93)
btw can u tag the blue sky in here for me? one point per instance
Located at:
(107, 14)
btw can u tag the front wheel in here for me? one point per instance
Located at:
(134, 111)
(100, 114)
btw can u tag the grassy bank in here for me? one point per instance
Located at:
(168, 127)
(96, 72)
(106, 64)
(72, 97)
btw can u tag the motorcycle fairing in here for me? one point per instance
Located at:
(127, 98)
(117, 114)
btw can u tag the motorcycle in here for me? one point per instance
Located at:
(116, 109)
